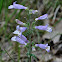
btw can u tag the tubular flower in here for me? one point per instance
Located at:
(33, 49)
(19, 30)
(40, 27)
(21, 39)
(17, 6)
(24, 38)
(32, 11)
(45, 16)
(43, 46)
(19, 22)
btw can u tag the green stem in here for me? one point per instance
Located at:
(30, 48)
(18, 54)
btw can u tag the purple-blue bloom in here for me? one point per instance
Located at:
(17, 6)
(32, 11)
(33, 49)
(19, 22)
(43, 46)
(45, 16)
(24, 38)
(46, 27)
(19, 30)
(21, 39)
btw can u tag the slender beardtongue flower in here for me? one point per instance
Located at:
(21, 39)
(24, 38)
(17, 6)
(19, 30)
(32, 11)
(19, 22)
(33, 49)
(45, 16)
(46, 28)
(43, 46)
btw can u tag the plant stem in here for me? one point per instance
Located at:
(30, 49)
(18, 54)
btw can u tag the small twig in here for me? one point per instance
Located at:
(8, 54)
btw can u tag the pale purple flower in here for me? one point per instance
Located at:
(17, 6)
(24, 38)
(21, 39)
(48, 49)
(13, 38)
(11, 7)
(19, 30)
(32, 11)
(43, 46)
(33, 49)
(46, 28)
(19, 22)
(45, 16)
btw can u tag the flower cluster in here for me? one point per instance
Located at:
(19, 30)
(20, 38)
(23, 40)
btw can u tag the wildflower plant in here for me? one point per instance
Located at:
(29, 26)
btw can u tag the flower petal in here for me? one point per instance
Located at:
(20, 40)
(33, 49)
(40, 27)
(18, 6)
(13, 38)
(24, 38)
(17, 27)
(19, 22)
(49, 29)
(48, 49)
(10, 7)
(32, 11)
(46, 28)
(22, 29)
(45, 16)
(43, 46)
(17, 32)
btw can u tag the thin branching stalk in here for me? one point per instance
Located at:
(8, 54)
